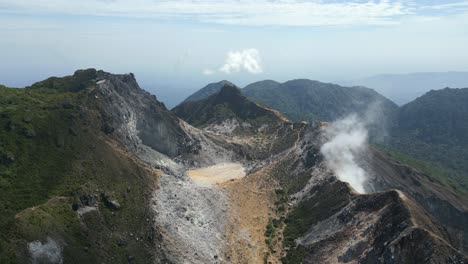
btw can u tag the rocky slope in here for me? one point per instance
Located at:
(95, 169)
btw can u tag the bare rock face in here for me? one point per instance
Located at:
(136, 117)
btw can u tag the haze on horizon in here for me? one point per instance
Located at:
(176, 47)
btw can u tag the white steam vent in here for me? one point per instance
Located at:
(347, 140)
(49, 252)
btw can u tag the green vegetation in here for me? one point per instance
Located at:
(295, 255)
(74, 83)
(306, 100)
(272, 232)
(433, 130)
(456, 181)
(34, 146)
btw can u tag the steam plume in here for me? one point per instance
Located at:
(49, 252)
(347, 140)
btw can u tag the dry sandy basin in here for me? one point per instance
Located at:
(219, 173)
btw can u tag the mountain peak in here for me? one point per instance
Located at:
(228, 91)
(208, 90)
(227, 104)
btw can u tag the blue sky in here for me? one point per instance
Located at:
(175, 47)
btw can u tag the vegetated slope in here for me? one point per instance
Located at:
(64, 183)
(434, 128)
(306, 100)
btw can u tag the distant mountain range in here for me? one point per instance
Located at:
(403, 88)
(307, 100)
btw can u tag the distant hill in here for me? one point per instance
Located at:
(434, 127)
(306, 100)
(402, 88)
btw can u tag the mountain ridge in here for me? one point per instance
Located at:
(305, 105)
(403, 88)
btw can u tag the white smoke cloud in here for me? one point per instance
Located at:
(247, 59)
(49, 252)
(347, 140)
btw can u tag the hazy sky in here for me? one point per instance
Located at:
(176, 47)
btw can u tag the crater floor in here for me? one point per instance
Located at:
(219, 173)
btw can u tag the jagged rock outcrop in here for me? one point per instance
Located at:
(136, 117)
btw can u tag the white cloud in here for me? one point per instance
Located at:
(232, 12)
(247, 59)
